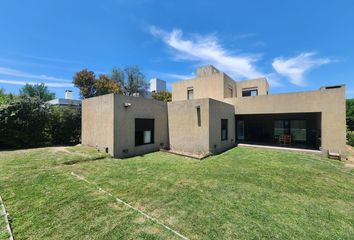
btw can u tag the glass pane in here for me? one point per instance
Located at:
(298, 130)
(279, 127)
(147, 137)
(190, 94)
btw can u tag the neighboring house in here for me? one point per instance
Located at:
(211, 113)
(67, 101)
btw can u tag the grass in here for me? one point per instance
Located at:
(241, 194)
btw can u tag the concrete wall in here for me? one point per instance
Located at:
(124, 122)
(97, 122)
(329, 102)
(186, 137)
(217, 111)
(216, 86)
(211, 86)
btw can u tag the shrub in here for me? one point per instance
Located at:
(350, 138)
(65, 124)
(23, 123)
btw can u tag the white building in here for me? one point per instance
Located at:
(157, 85)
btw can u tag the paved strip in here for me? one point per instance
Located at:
(130, 206)
(4, 213)
(280, 148)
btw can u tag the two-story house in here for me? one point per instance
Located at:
(211, 113)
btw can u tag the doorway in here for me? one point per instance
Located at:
(240, 126)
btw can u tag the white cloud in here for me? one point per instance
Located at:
(50, 84)
(207, 50)
(295, 68)
(17, 73)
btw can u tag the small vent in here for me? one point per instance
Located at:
(125, 150)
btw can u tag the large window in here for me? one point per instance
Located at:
(224, 129)
(190, 93)
(144, 131)
(249, 92)
(296, 128)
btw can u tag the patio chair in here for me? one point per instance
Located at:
(285, 140)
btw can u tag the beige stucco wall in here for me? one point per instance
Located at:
(211, 86)
(329, 102)
(217, 111)
(186, 137)
(124, 122)
(97, 122)
(106, 123)
(216, 86)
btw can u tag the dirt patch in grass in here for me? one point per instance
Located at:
(350, 159)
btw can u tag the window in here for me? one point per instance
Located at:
(224, 129)
(281, 127)
(189, 93)
(297, 128)
(199, 117)
(144, 131)
(229, 92)
(249, 92)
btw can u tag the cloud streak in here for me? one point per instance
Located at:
(295, 68)
(50, 84)
(207, 50)
(17, 73)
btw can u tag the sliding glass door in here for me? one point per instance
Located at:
(296, 128)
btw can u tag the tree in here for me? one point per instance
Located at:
(90, 86)
(105, 85)
(64, 124)
(162, 96)
(23, 123)
(37, 90)
(131, 80)
(350, 113)
(6, 98)
(85, 81)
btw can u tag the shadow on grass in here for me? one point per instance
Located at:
(72, 162)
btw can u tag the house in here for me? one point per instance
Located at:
(212, 113)
(67, 101)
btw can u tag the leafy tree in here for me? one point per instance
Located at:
(64, 124)
(85, 80)
(105, 85)
(162, 96)
(6, 98)
(350, 113)
(90, 86)
(23, 123)
(131, 80)
(37, 90)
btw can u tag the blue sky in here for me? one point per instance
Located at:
(297, 45)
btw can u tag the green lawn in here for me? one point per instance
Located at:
(241, 194)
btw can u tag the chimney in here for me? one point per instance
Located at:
(68, 94)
